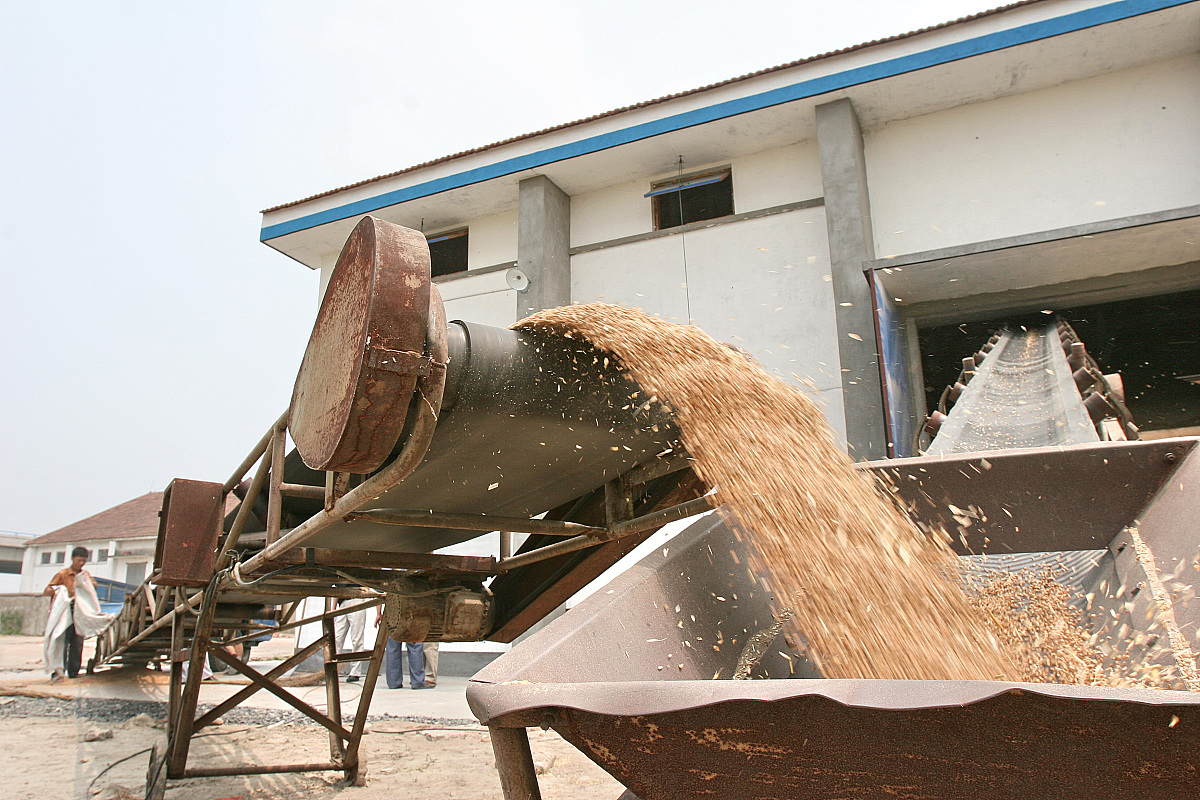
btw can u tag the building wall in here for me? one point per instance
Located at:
(1111, 146)
(611, 213)
(1078, 152)
(35, 575)
(776, 177)
(493, 240)
(762, 180)
(761, 284)
(485, 299)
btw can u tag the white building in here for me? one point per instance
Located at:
(121, 541)
(12, 554)
(1042, 156)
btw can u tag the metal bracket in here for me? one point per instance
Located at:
(618, 502)
(336, 486)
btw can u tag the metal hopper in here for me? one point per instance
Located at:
(634, 676)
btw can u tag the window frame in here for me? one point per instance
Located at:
(456, 233)
(676, 186)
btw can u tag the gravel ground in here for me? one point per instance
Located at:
(114, 711)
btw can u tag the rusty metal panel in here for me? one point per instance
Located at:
(366, 351)
(1170, 527)
(626, 676)
(1020, 742)
(1036, 499)
(189, 524)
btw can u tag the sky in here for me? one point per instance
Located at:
(146, 333)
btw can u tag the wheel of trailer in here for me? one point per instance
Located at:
(91, 666)
(156, 779)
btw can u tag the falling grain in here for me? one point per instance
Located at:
(875, 597)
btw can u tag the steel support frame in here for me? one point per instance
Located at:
(142, 608)
(194, 617)
(514, 763)
(183, 723)
(342, 502)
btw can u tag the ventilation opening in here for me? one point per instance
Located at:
(691, 199)
(448, 253)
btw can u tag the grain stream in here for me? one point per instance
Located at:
(874, 596)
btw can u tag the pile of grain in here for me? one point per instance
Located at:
(874, 596)
(1042, 632)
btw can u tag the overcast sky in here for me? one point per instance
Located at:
(147, 334)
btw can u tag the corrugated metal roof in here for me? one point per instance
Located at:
(655, 101)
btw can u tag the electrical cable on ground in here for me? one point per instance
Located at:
(100, 774)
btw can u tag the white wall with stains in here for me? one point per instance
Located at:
(761, 284)
(492, 240)
(1111, 146)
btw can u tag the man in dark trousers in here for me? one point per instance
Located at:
(73, 649)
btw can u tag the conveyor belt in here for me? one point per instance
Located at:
(1022, 395)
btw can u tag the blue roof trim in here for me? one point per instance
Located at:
(945, 54)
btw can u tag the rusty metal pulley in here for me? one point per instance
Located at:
(367, 351)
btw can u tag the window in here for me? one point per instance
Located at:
(692, 198)
(60, 557)
(448, 253)
(46, 557)
(102, 555)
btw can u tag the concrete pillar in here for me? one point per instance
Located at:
(543, 244)
(851, 242)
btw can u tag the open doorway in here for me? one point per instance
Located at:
(1153, 342)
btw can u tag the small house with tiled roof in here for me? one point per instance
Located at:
(121, 540)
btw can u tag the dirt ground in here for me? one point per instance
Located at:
(52, 760)
(48, 757)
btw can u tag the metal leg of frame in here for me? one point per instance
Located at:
(356, 772)
(156, 773)
(175, 689)
(514, 762)
(333, 694)
(181, 726)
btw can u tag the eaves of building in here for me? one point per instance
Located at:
(1046, 42)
